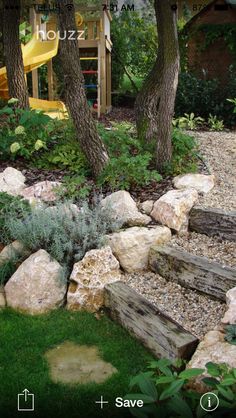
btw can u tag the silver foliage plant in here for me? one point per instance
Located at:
(65, 231)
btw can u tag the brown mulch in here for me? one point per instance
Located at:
(118, 114)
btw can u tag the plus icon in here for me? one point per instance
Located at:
(101, 402)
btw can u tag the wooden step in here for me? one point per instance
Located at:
(192, 271)
(211, 221)
(163, 336)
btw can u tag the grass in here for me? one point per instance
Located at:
(23, 342)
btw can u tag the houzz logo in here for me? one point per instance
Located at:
(51, 35)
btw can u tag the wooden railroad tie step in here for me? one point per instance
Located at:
(163, 336)
(192, 271)
(211, 221)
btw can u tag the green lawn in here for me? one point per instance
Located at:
(24, 340)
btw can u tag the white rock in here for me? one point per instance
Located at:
(2, 297)
(37, 286)
(200, 182)
(230, 314)
(42, 191)
(212, 349)
(131, 247)
(13, 251)
(147, 206)
(12, 181)
(88, 278)
(124, 208)
(173, 207)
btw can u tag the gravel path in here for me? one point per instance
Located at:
(214, 248)
(195, 312)
(219, 151)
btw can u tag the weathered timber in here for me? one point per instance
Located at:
(211, 221)
(192, 271)
(157, 331)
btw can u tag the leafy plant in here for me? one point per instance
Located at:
(207, 96)
(214, 123)
(164, 390)
(184, 158)
(188, 121)
(65, 231)
(129, 163)
(65, 155)
(12, 206)
(234, 103)
(74, 188)
(125, 172)
(23, 131)
(230, 334)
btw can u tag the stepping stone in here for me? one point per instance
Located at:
(71, 363)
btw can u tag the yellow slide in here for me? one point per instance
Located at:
(36, 53)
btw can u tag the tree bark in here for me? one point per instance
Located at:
(155, 102)
(17, 86)
(75, 95)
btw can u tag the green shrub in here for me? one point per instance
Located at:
(11, 206)
(184, 158)
(125, 172)
(23, 132)
(165, 394)
(65, 155)
(205, 97)
(129, 163)
(63, 231)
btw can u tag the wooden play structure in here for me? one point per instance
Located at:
(95, 47)
(94, 43)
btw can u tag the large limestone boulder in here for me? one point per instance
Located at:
(89, 277)
(42, 191)
(37, 286)
(2, 297)
(172, 208)
(12, 252)
(124, 208)
(230, 314)
(131, 247)
(212, 349)
(200, 182)
(12, 181)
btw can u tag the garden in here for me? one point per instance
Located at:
(117, 210)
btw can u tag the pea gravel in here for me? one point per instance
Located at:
(197, 313)
(219, 151)
(214, 248)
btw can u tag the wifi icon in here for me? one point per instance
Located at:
(69, 7)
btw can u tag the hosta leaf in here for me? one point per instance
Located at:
(189, 373)
(172, 389)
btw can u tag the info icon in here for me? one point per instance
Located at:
(209, 401)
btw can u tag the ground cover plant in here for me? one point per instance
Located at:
(165, 390)
(64, 231)
(24, 341)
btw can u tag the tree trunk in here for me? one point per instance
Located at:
(75, 95)
(155, 102)
(17, 86)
